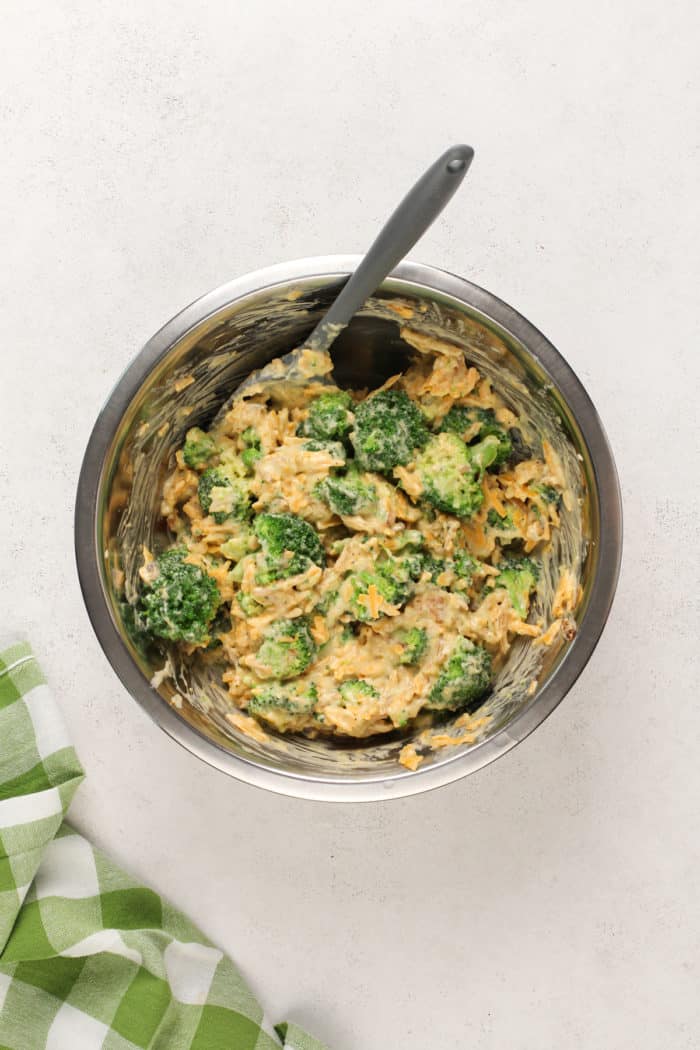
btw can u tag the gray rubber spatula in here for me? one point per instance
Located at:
(414, 215)
(416, 212)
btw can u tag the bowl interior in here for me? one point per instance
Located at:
(189, 379)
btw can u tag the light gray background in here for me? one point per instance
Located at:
(153, 151)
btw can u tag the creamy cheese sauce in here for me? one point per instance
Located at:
(220, 362)
(514, 513)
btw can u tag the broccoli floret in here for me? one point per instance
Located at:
(463, 565)
(321, 609)
(503, 525)
(284, 705)
(334, 448)
(500, 522)
(484, 453)
(411, 565)
(434, 566)
(329, 418)
(252, 450)
(360, 602)
(180, 602)
(248, 604)
(198, 448)
(464, 678)
(209, 480)
(504, 446)
(287, 648)
(223, 496)
(391, 581)
(449, 477)
(347, 494)
(472, 423)
(356, 690)
(404, 570)
(414, 641)
(409, 538)
(519, 577)
(549, 494)
(388, 429)
(465, 421)
(237, 546)
(290, 546)
(250, 456)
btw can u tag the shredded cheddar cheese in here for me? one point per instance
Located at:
(409, 757)
(388, 587)
(375, 603)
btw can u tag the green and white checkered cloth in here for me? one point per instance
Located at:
(88, 958)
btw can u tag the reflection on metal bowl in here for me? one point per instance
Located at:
(218, 340)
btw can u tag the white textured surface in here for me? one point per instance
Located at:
(151, 152)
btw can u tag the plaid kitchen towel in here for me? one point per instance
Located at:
(88, 958)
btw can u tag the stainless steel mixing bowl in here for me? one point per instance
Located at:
(212, 345)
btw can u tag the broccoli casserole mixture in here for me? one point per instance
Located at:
(352, 559)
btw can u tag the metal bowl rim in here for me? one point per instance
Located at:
(403, 782)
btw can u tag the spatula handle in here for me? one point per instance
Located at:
(416, 212)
